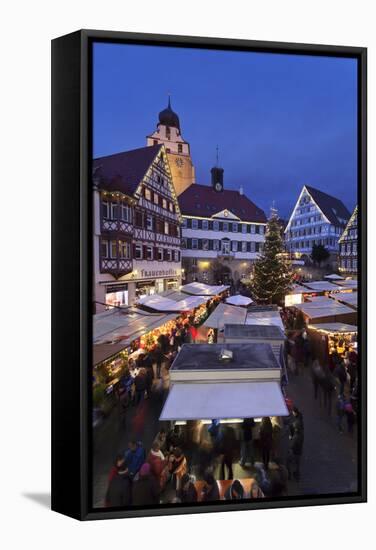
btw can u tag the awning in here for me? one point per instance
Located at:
(205, 401)
(334, 277)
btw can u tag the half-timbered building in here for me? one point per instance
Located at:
(136, 227)
(348, 247)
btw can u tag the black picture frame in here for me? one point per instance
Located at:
(72, 261)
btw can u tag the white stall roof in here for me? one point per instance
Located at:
(202, 401)
(226, 314)
(264, 318)
(334, 327)
(162, 303)
(347, 298)
(331, 308)
(334, 277)
(348, 283)
(321, 286)
(239, 300)
(201, 289)
(299, 289)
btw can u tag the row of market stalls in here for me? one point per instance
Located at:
(120, 333)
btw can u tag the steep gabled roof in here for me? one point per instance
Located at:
(204, 201)
(123, 172)
(352, 223)
(331, 207)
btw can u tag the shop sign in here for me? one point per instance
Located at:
(116, 288)
(158, 273)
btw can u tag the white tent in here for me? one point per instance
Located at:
(239, 300)
(321, 286)
(201, 401)
(264, 318)
(161, 303)
(202, 289)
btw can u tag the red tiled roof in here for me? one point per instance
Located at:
(124, 171)
(331, 207)
(204, 201)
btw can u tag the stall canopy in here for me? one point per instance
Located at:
(348, 283)
(321, 286)
(334, 277)
(225, 314)
(202, 401)
(201, 289)
(334, 327)
(347, 298)
(327, 310)
(115, 330)
(162, 303)
(239, 300)
(299, 289)
(268, 317)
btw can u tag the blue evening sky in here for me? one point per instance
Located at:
(280, 121)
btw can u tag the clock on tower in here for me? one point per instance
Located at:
(217, 178)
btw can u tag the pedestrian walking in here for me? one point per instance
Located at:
(227, 447)
(266, 440)
(246, 442)
(134, 458)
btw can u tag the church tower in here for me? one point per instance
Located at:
(168, 133)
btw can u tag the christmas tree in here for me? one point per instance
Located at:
(272, 277)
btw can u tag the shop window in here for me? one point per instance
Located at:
(138, 252)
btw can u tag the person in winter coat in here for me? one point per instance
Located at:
(174, 438)
(119, 464)
(134, 458)
(340, 409)
(227, 447)
(340, 373)
(210, 490)
(246, 442)
(119, 491)
(296, 445)
(187, 492)
(145, 490)
(235, 491)
(161, 439)
(140, 384)
(158, 464)
(266, 440)
(177, 466)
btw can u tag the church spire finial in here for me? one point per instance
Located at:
(169, 99)
(217, 156)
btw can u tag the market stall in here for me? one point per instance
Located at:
(225, 314)
(334, 277)
(202, 289)
(264, 316)
(347, 298)
(327, 310)
(327, 338)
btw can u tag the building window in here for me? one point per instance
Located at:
(215, 225)
(171, 206)
(194, 223)
(168, 132)
(160, 254)
(194, 244)
(156, 198)
(114, 211)
(253, 228)
(125, 250)
(126, 213)
(176, 255)
(253, 246)
(155, 142)
(149, 222)
(147, 194)
(235, 227)
(166, 228)
(216, 244)
(164, 204)
(113, 249)
(234, 246)
(205, 225)
(225, 226)
(244, 228)
(105, 210)
(104, 248)
(138, 252)
(169, 255)
(184, 223)
(244, 246)
(180, 148)
(149, 253)
(262, 229)
(184, 243)
(205, 244)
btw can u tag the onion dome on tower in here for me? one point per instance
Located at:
(168, 117)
